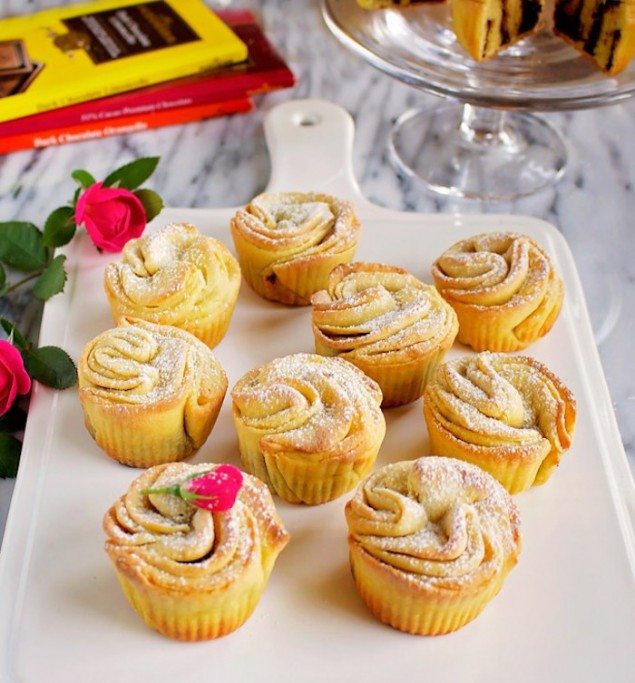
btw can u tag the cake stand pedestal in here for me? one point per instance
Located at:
(488, 144)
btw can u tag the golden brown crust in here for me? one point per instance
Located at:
(431, 542)
(310, 427)
(150, 393)
(190, 573)
(509, 415)
(382, 319)
(288, 243)
(503, 287)
(176, 276)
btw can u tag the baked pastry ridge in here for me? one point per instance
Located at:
(431, 542)
(150, 393)
(503, 287)
(176, 276)
(509, 415)
(288, 243)
(308, 426)
(392, 326)
(190, 573)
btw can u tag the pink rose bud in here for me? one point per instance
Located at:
(215, 491)
(13, 377)
(111, 216)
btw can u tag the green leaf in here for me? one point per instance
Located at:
(3, 280)
(132, 175)
(84, 178)
(10, 449)
(59, 227)
(151, 201)
(51, 366)
(18, 339)
(13, 420)
(76, 194)
(21, 246)
(52, 280)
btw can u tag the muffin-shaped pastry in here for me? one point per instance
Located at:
(504, 289)
(176, 276)
(150, 393)
(288, 243)
(308, 426)
(386, 322)
(431, 542)
(507, 414)
(194, 566)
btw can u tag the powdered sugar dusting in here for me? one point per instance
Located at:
(179, 547)
(372, 308)
(307, 403)
(441, 521)
(498, 400)
(494, 269)
(174, 276)
(296, 225)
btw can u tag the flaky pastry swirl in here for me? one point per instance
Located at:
(503, 287)
(309, 426)
(289, 242)
(431, 542)
(211, 561)
(150, 393)
(442, 522)
(508, 414)
(387, 322)
(176, 276)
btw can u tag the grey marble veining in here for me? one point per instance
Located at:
(224, 162)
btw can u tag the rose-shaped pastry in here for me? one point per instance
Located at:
(111, 216)
(150, 393)
(178, 277)
(431, 542)
(288, 243)
(14, 379)
(509, 415)
(308, 426)
(504, 290)
(192, 573)
(387, 323)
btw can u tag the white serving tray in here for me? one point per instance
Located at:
(566, 612)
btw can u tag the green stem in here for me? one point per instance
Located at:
(28, 278)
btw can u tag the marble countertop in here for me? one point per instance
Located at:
(223, 162)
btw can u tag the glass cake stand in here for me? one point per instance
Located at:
(489, 144)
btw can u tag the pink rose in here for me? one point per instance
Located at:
(216, 490)
(13, 377)
(111, 215)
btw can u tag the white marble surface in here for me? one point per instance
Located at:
(224, 162)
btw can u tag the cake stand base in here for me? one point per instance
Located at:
(477, 153)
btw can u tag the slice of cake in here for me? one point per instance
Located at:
(484, 27)
(604, 30)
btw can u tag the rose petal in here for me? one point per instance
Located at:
(217, 490)
(14, 379)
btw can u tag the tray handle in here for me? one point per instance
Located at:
(311, 149)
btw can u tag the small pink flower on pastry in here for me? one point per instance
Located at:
(14, 379)
(215, 490)
(111, 216)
